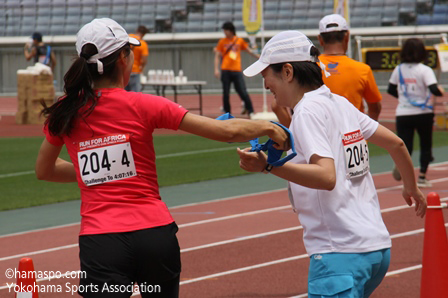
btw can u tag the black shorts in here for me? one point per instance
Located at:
(112, 263)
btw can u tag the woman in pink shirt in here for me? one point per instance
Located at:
(127, 233)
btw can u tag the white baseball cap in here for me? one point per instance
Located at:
(336, 22)
(107, 35)
(286, 46)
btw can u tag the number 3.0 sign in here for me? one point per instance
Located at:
(388, 58)
(105, 159)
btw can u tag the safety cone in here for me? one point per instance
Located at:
(26, 280)
(435, 252)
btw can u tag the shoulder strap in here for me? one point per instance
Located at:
(405, 92)
(47, 57)
(230, 47)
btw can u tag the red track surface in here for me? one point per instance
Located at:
(240, 266)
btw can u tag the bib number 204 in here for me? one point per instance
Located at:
(357, 154)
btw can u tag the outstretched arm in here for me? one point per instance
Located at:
(397, 150)
(252, 53)
(234, 130)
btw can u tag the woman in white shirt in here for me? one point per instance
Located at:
(412, 82)
(330, 184)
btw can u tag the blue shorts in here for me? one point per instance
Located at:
(347, 275)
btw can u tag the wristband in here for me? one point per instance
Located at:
(267, 169)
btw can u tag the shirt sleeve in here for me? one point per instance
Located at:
(371, 92)
(145, 50)
(53, 140)
(428, 76)
(244, 44)
(394, 77)
(310, 135)
(220, 46)
(160, 112)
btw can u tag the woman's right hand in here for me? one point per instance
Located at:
(217, 74)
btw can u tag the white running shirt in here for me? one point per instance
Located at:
(348, 218)
(418, 77)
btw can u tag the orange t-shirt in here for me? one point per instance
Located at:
(351, 79)
(232, 59)
(139, 52)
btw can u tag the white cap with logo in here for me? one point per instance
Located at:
(286, 46)
(106, 35)
(332, 22)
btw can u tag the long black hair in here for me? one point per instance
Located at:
(78, 90)
(307, 73)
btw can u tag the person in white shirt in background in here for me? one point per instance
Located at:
(330, 184)
(412, 82)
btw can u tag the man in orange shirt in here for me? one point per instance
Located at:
(140, 57)
(228, 60)
(349, 78)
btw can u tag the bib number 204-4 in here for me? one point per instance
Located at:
(105, 159)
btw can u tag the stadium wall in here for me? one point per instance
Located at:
(191, 52)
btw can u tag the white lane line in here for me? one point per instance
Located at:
(229, 198)
(241, 239)
(195, 223)
(403, 270)
(195, 152)
(157, 157)
(238, 270)
(242, 269)
(40, 230)
(16, 174)
(219, 243)
(38, 252)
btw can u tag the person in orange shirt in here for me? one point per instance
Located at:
(228, 67)
(349, 78)
(141, 54)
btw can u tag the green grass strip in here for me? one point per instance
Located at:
(180, 159)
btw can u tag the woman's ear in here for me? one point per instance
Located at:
(288, 72)
(123, 58)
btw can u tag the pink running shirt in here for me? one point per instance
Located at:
(113, 154)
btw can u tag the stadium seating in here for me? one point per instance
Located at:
(59, 17)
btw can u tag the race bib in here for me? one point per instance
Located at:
(105, 159)
(356, 154)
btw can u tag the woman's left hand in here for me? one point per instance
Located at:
(419, 199)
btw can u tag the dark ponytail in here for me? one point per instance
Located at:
(308, 74)
(78, 89)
